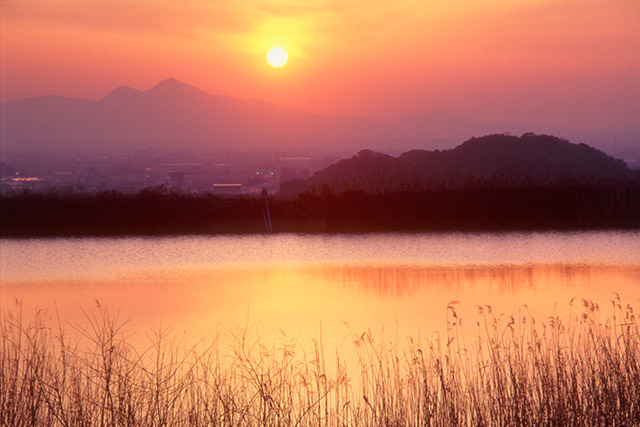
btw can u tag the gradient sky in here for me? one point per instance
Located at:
(548, 62)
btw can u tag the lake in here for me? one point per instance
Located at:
(311, 286)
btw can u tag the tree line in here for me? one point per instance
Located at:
(162, 212)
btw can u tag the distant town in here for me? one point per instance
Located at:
(224, 173)
(221, 173)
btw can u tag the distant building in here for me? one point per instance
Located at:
(176, 179)
(227, 188)
(91, 178)
(187, 167)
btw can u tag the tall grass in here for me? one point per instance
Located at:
(514, 371)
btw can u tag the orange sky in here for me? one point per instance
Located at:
(553, 62)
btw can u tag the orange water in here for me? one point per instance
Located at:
(305, 286)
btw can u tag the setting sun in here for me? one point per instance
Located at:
(277, 57)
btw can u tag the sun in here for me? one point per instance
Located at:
(277, 57)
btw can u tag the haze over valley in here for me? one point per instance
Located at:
(177, 135)
(177, 116)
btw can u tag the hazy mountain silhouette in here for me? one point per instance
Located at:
(176, 115)
(490, 161)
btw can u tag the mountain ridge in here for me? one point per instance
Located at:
(179, 115)
(175, 115)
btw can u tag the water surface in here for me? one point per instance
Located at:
(307, 285)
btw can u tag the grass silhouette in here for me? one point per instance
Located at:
(515, 372)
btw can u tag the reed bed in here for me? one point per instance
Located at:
(515, 371)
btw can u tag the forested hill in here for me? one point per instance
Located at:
(495, 161)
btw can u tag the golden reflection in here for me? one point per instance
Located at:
(397, 281)
(335, 300)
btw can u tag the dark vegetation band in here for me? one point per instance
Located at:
(160, 211)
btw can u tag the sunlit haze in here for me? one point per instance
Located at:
(570, 63)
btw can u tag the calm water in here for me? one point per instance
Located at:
(304, 285)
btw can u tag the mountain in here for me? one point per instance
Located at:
(497, 161)
(175, 115)
(516, 161)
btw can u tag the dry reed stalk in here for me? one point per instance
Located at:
(517, 372)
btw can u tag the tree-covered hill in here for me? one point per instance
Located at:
(494, 161)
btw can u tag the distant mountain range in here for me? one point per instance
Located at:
(175, 115)
(493, 161)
